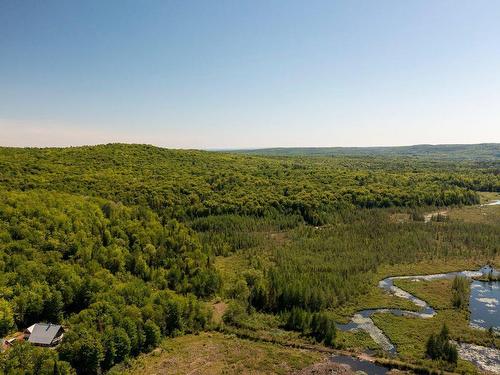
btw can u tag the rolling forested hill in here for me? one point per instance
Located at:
(119, 243)
(476, 152)
(186, 184)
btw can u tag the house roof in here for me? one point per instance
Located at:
(44, 333)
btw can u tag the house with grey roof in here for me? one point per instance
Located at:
(44, 334)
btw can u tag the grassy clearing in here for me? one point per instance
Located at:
(374, 299)
(436, 293)
(488, 196)
(357, 341)
(477, 214)
(216, 353)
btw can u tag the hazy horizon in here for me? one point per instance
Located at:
(249, 75)
(259, 148)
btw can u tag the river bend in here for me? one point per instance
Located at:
(487, 359)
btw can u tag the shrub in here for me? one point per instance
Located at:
(439, 347)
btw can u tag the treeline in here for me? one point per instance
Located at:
(192, 184)
(117, 276)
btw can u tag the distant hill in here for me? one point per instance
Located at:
(190, 184)
(480, 152)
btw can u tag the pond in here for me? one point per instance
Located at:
(360, 365)
(484, 304)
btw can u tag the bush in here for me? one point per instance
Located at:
(298, 320)
(323, 328)
(439, 347)
(460, 295)
(234, 313)
(153, 335)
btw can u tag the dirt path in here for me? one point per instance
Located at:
(218, 308)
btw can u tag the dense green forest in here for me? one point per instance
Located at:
(118, 242)
(487, 152)
(107, 270)
(190, 184)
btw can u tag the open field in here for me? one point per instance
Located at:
(437, 293)
(215, 353)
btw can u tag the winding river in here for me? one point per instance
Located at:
(485, 313)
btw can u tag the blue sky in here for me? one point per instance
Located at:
(234, 74)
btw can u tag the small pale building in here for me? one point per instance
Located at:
(44, 334)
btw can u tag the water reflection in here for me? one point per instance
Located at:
(484, 304)
(360, 365)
